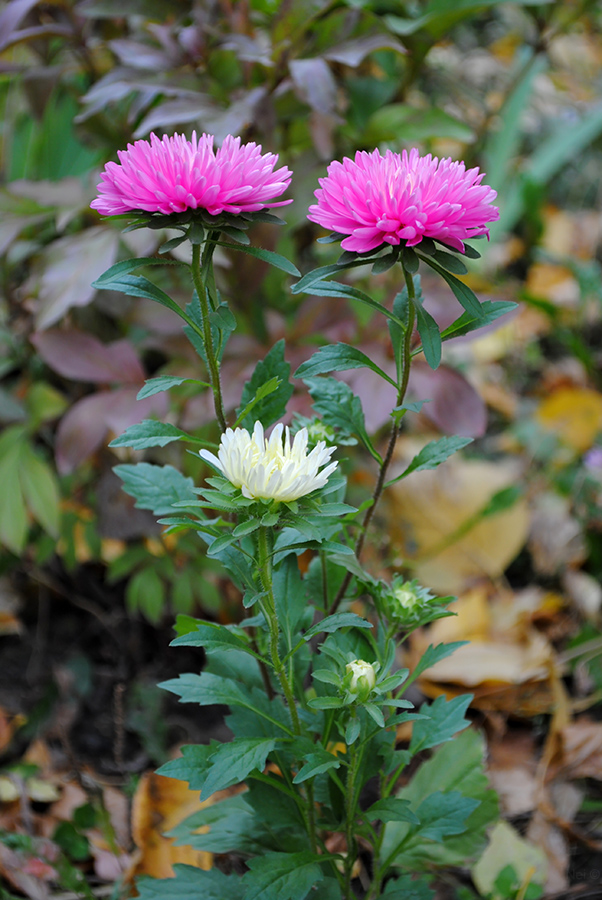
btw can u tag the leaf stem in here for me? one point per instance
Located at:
(202, 276)
(406, 363)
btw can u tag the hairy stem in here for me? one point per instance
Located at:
(350, 805)
(268, 606)
(401, 392)
(201, 277)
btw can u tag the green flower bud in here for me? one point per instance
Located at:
(360, 678)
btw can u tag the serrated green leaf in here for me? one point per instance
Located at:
(341, 409)
(262, 392)
(232, 762)
(456, 766)
(208, 689)
(433, 654)
(165, 383)
(151, 433)
(391, 809)
(432, 455)
(282, 876)
(232, 828)
(445, 718)
(191, 883)
(192, 766)
(339, 358)
(334, 622)
(212, 636)
(273, 405)
(156, 488)
(315, 764)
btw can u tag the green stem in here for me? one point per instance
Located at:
(201, 277)
(268, 606)
(350, 803)
(406, 363)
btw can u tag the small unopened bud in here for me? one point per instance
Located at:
(362, 678)
(406, 597)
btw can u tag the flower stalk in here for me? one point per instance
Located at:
(200, 277)
(406, 363)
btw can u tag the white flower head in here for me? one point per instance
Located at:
(271, 468)
(363, 676)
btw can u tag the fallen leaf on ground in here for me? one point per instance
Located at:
(574, 414)
(582, 749)
(159, 805)
(431, 510)
(507, 848)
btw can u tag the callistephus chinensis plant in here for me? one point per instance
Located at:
(315, 689)
(402, 198)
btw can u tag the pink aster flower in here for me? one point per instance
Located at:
(172, 174)
(389, 199)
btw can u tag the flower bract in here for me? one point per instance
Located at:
(405, 197)
(272, 468)
(172, 174)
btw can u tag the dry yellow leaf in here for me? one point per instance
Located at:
(429, 510)
(574, 414)
(159, 805)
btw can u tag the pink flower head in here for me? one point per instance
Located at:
(172, 174)
(389, 199)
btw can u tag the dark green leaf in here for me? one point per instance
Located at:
(232, 762)
(432, 455)
(151, 433)
(407, 888)
(441, 815)
(164, 383)
(192, 766)
(430, 336)
(210, 635)
(191, 883)
(334, 622)
(391, 810)
(156, 488)
(268, 256)
(282, 876)
(272, 405)
(445, 718)
(449, 262)
(231, 823)
(490, 311)
(464, 295)
(315, 763)
(340, 408)
(432, 655)
(338, 358)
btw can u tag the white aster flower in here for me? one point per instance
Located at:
(270, 468)
(363, 676)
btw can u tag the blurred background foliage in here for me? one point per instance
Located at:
(514, 87)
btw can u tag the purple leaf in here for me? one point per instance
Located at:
(68, 267)
(455, 407)
(85, 427)
(314, 84)
(80, 356)
(351, 53)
